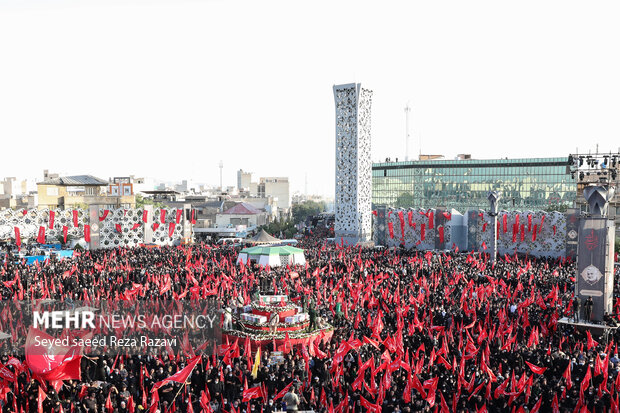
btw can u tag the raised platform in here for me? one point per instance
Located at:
(597, 329)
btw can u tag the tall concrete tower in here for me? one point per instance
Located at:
(353, 163)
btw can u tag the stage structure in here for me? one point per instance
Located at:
(595, 254)
(353, 164)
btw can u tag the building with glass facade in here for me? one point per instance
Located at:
(536, 183)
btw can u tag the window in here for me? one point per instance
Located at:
(114, 190)
(91, 190)
(126, 190)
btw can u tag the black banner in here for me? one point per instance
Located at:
(472, 230)
(592, 268)
(381, 225)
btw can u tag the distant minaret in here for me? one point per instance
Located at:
(407, 132)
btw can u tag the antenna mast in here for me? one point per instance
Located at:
(407, 133)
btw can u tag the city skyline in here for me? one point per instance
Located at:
(167, 89)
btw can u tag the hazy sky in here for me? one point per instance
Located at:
(168, 88)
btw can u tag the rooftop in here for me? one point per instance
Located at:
(75, 180)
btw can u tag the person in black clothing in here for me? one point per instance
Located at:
(576, 308)
(587, 308)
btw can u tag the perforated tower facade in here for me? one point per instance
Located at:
(353, 164)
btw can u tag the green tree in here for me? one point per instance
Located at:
(142, 201)
(556, 207)
(405, 200)
(307, 209)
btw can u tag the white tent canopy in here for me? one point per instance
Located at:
(272, 256)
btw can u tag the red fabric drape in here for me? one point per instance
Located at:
(51, 220)
(171, 229)
(155, 226)
(65, 231)
(499, 224)
(410, 219)
(484, 227)
(75, 218)
(422, 232)
(162, 216)
(554, 230)
(135, 226)
(41, 236)
(515, 231)
(374, 213)
(105, 214)
(431, 220)
(391, 229)
(529, 223)
(87, 233)
(505, 223)
(119, 229)
(441, 235)
(179, 215)
(401, 217)
(522, 232)
(542, 221)
(18, 238)
(145, 216)
(193, 217)
(534, 233)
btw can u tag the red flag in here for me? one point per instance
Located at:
(484, 245)
(53, 362)
(51, 219)
(440, 230)
(105, 214)
(591, 343)
(108, 403)
(505, 223)
(422, 232)
(535, 368)
(65, 231)
(162, 215)
(41, 236)
(180, 376)
(87, 233)
(75, 218)
(567, 377)
(155, 226)
(131, 405)
(18, 238)
(119, 229)
(391, 229)
(179, 215)
(145, 216)
(534, 233)
(282, 392)
(252, 393)
(42, 396)
(135, 226)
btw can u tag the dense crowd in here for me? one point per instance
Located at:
(413, 331)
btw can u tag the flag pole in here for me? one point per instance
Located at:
(176, 395)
